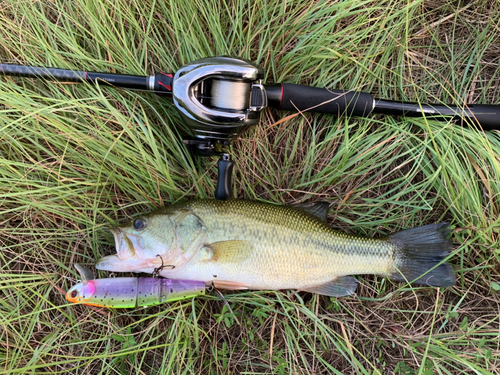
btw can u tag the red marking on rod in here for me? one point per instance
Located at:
(167, 74)
(169, 88)
(85, 77)
(281, 100)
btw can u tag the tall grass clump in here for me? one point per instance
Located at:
(76, 158)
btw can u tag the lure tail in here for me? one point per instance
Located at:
(420, 254)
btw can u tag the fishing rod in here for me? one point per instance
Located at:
(218, 97)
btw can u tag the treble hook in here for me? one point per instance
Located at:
(156, 271)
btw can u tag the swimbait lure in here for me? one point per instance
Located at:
(129, 292)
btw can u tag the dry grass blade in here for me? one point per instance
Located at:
(75, 158)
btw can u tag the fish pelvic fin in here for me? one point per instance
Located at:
(234, 251)
(231, 285)
(419, 258)
(339, 287)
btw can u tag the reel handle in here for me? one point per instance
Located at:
(223, 192)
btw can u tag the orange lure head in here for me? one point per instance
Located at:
(82, 292)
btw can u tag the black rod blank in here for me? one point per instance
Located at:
(65, 75)
(285, 96)
(487, 116)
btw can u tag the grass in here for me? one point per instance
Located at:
(75, 158)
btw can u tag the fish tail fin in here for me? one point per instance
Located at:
(420, 253)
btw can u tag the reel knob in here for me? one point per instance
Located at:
(225, 170)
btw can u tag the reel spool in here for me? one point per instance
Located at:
(230, 95)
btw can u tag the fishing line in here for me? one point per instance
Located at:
(228, 94)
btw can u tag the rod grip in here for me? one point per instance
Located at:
(320, 100)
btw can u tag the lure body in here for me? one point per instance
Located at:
(130, 292)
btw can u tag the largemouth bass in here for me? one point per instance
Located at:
(240, 244)
(129, 292)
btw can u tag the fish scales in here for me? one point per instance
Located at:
(288, 243)
(241, 244)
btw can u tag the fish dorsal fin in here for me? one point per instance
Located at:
(233, 251)
(339, 287)
(317, 209)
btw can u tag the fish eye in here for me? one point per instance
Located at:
(139, 224)
(74, 293)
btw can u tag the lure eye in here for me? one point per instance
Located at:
(139, 224)
(74, 293)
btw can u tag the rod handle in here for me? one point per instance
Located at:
(225, 166)
(292, 97)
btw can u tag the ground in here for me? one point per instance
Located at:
(75, 159)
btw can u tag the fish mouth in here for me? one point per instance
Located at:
(129, 255)
(107, 263)
(125, 245)
(113, 263)
(118, 236)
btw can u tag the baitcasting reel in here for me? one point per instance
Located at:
(218, 97)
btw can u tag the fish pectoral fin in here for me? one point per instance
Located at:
(339, 287)
(234, 251)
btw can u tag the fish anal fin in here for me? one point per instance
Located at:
(339, 287)
(231, 285)
(317, 209)
(233, 251)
